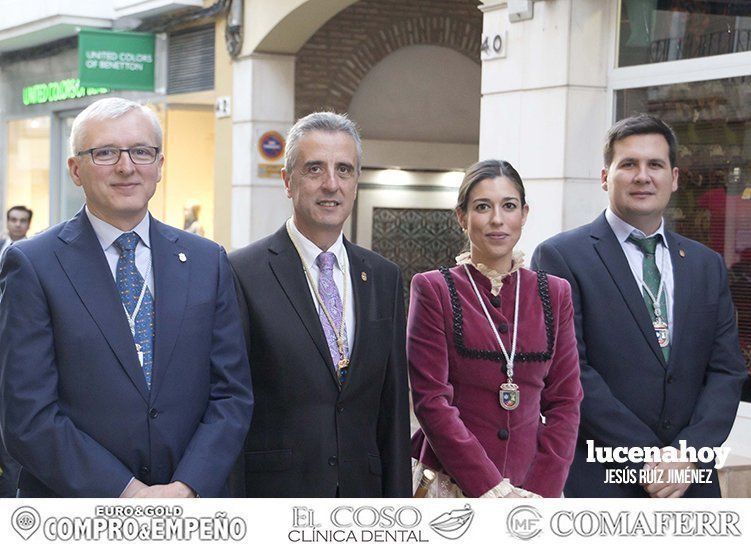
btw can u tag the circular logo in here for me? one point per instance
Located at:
(271, 145)
(524, 522)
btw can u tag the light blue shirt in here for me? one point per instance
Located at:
(635, 257)
(107, 234)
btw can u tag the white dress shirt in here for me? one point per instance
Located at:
(635, 258)
(107, 234)
(6, 245)
(309, 253)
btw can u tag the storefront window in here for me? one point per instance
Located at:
(712, 120)
(664, 30)
(29, 168)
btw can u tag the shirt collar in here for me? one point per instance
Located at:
(623, 230)
(107, 234)
(309, 251)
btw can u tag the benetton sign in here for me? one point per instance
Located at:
(118, 60)
(56, 91)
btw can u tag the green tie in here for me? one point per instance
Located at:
(651, 277)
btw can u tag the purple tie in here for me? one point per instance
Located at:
(330, 295)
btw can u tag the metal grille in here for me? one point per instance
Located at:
(191, 60)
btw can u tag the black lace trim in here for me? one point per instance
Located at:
(525, 357)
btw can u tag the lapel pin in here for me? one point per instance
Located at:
(182, 257)
(364, 276)
(682, 253)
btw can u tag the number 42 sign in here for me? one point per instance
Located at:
(493, 45)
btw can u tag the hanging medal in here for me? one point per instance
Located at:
(660, 325)
(509, 395)
(661, 328)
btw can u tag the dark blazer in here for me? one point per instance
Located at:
(632, 396)
(75, 410)
(309, 435)
(456, 369)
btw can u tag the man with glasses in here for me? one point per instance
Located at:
(122, 366)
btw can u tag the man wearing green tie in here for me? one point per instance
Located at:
(660, 362)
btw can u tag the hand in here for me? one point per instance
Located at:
(665, 489)
(175, 490)
(132, 489)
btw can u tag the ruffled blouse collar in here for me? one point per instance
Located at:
(496, 278)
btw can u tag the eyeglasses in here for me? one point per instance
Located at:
(107, 156)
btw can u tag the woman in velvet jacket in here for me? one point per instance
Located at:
(486, 435)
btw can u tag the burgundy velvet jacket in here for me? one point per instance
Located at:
(456, 369)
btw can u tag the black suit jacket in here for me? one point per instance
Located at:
(311, 437)
(632, 396)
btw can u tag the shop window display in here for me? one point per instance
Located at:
(28, 170)
(666, 30)
(713, 203)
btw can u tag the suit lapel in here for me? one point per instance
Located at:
(288, 269)
(171, 283)
(681, 291)
(612, 256)
(86, 266)
(359, 271)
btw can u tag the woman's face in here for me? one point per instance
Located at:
(493, 221)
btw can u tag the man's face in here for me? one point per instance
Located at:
(118, 193)
(323, 183)
(640, 180)
(18, 224)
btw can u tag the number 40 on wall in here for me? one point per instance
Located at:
(493, 46)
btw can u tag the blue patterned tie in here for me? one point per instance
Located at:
(330, 295)
(129, 284)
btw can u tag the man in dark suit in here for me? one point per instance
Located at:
(122, 366)
(658, 340)
(324, 321)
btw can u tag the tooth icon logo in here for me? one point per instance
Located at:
(25, 521)
(453, 524)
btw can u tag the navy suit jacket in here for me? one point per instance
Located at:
(632, 395)
(75, 410)
(311, 437)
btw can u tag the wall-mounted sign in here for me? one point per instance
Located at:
(119, 60)
(271, 145)
(56, 91)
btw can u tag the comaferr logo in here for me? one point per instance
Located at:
(524, 522)
(676, 523)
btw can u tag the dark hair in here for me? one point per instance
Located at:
(483, 170)
(19, 209)
(639, 124)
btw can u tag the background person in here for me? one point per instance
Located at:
(17, 223)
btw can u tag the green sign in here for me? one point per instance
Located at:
(55, 91)
(118, 60)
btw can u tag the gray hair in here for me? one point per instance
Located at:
(109, 108)
(325, 121)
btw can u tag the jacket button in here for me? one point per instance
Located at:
(332, 461)
(495, 300)
(153, 413)
(666, 424)
(145, 470)
(670, 378)
(339, 408)
(502, 328)
(503, 434)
